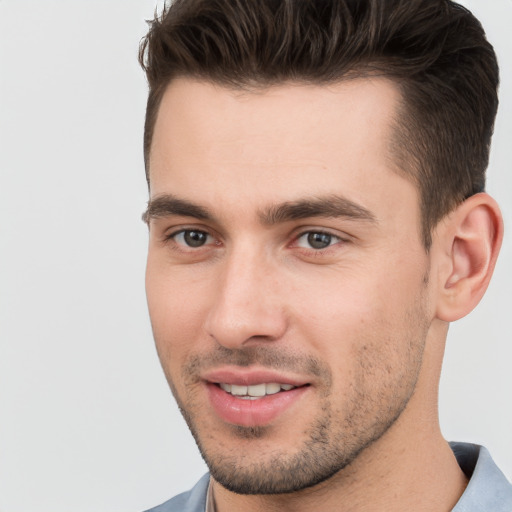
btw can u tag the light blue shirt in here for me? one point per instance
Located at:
(488, 489)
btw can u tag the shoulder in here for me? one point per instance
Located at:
(190, 501)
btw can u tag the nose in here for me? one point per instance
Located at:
(246, 308)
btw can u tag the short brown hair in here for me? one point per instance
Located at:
(434, 50)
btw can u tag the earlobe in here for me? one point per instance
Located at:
(471, 238)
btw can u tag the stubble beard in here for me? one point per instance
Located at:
(317, 460)
(330, 444)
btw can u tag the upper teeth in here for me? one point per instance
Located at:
(256, 390)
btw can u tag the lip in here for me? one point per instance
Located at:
(252, 413)
(250, 377)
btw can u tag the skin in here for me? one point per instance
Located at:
(362, 321)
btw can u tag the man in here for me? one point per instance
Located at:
(317, 218)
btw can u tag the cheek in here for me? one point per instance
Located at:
(363, 322)
(340, 308)
(176, 308)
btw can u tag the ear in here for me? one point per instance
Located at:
(468, 242)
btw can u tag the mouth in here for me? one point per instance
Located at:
(255, 391)
(253, 398)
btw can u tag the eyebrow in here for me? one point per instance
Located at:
(166, 205)
(331, 206)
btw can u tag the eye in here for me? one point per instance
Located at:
(191, 238)
(317, 240)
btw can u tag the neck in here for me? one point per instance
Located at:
(411, 467)
(420, 474)
(424, 478)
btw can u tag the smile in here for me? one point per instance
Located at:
(255, 391)
(255, 404)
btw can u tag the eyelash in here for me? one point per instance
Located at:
(183, 246)
(171, 237)
(335, 239)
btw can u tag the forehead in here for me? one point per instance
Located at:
(269, 144)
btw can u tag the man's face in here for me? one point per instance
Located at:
(286, 279)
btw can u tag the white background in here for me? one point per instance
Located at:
(86, 420)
